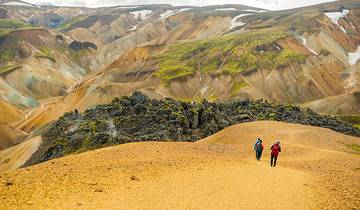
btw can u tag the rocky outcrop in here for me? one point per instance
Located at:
(76, 45)
(138, 118)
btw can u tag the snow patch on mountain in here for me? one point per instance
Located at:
(336, 16)
(127, 7)
(304, 42)
(226, 9)
(257, 11)
(17, 3)
(354, 57)
(235, 23)
(169, 13)
(143, 14)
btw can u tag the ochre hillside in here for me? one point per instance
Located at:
(317, 168)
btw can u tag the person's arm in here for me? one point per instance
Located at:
(255, 145)
(279, 149)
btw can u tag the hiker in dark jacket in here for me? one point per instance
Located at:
(259, 149)
(255, 146)
(275, 149)
(256, 143)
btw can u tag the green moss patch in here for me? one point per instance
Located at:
(354, 147)
(237, 86)
(7, 54)
(46, 53)
(354, 120)
(8, 68)
(7, 26)
(68, 24)
(226, 54)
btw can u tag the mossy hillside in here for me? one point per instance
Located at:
(8, 68)
(354, 148)
(45, 52)
(237, 86)
(226, 54)
(76, 55)
(351, 119)
(8, 54)
(138, 118)
(68, 24)
(355, 120)
(7, 26)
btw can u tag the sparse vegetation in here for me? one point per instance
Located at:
(226, 54)
(7, 54)
(8, 68)
(237, 86)
(355, 120)
(45, 52)
(354, 147)
(7, 26)
(68, 24)
(76, 55)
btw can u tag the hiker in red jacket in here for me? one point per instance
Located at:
(275, 149)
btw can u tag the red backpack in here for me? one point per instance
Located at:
(275, 149)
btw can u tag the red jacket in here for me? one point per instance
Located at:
(275, 149)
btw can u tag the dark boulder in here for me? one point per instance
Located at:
(77, 46)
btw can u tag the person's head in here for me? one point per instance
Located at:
(260, 141)
(278, 142)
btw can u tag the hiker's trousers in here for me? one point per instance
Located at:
(273, 160)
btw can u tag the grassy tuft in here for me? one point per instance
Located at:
(354, 147)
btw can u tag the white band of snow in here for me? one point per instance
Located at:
(234, 22)
(354, 57)
(335, 17)
(304, 42)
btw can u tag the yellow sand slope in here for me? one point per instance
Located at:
(10, 136)
(9, 113)
(314, 171)
(16, 156)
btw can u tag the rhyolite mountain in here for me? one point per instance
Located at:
(54, 60)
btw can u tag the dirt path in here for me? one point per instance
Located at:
(217, 173)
